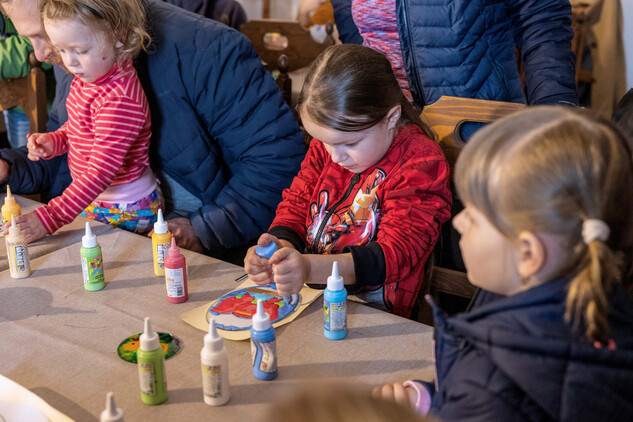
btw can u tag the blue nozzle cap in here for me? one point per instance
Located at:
(266, 251)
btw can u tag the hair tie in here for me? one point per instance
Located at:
(594, 229)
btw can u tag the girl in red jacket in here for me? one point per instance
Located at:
(372, 191)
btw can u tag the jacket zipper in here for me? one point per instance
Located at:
(315, 246)
(416, 77)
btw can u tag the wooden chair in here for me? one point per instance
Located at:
(274, 39)
(446, 117)
(578, 43)
(29, 93)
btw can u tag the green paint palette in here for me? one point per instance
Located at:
(128, 347)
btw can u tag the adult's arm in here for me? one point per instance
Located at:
(542, 30)
(347, 30)
(260, 142)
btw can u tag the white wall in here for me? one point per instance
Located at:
(627, 9)
(279, 9)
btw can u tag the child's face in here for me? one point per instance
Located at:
(491, 260)
(86, 53)
(355, 151)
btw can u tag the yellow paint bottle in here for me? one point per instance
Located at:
(17, 252)
(10, 207)
(161, 239)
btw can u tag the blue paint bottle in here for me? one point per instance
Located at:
(335, 306)
(263, 345)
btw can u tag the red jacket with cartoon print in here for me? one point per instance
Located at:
(387, 217)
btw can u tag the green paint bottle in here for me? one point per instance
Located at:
(151, 367)
(91, 261)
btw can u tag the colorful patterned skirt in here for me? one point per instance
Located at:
(138, 217)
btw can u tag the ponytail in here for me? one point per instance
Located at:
(587, 297)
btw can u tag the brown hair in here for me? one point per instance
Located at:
(351, 88)
(334, 403)
(547, 170)
(120, 20)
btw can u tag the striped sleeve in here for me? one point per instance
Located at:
(117, 126)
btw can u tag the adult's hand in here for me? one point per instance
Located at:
(186, 238)
(4, 171)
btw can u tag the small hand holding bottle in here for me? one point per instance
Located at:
(31, 227)
(39, 145)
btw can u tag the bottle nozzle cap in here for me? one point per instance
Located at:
(10, 199)
(213, 340)
(89, 240)
(149, 338)
(160, 226)
(173, 250)
(261, 320)
(111, 412)
(14, 230)
(335, 281)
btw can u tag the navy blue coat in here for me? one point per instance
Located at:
(515, 359)
(466, 48)
(220, 127)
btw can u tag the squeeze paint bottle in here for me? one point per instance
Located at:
(335, 306)
(151, 367)
(266, 251)
(111, 412)
(17, 253)
(215, 368)
(161, 239)
(175, 274)
(10, 207)
(91, 262)
(263, 345)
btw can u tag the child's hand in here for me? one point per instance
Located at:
(30, 225)
(405, 396)
(291, 269)
(39, 145)
(259, 270)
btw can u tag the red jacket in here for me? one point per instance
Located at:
(387, 217)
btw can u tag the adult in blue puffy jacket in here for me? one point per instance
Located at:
(224, 143)
(466, 48)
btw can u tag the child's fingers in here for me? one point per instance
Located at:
(280, 255)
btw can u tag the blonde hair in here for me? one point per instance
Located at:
(330, 403)
(547, 170)
(121, 20)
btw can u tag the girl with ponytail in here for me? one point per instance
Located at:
(548, 225)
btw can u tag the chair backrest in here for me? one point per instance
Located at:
(446, 117)
(578, 43)
(29, 93)
(267, 37)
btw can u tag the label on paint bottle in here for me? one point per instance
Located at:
(92, 271)
(146, 378)
(269, 352)
(175, 280)
(336, 316)
(161, 253)
(212, 380)
(21, 258)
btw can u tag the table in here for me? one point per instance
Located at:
(60, 341)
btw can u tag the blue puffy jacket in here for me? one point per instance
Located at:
(466, 48)
(516, 359)
(220, 127)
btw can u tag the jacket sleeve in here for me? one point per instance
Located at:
(14, 53)
(542, 30)
(26, 176)
(414, 207)
(347, 30)
(260, 142)
(292, 212)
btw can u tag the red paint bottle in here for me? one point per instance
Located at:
(175, 274)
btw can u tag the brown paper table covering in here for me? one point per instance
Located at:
(60, 341)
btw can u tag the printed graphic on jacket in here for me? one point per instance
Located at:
(345, 223)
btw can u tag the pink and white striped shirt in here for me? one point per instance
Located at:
(107, 140)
